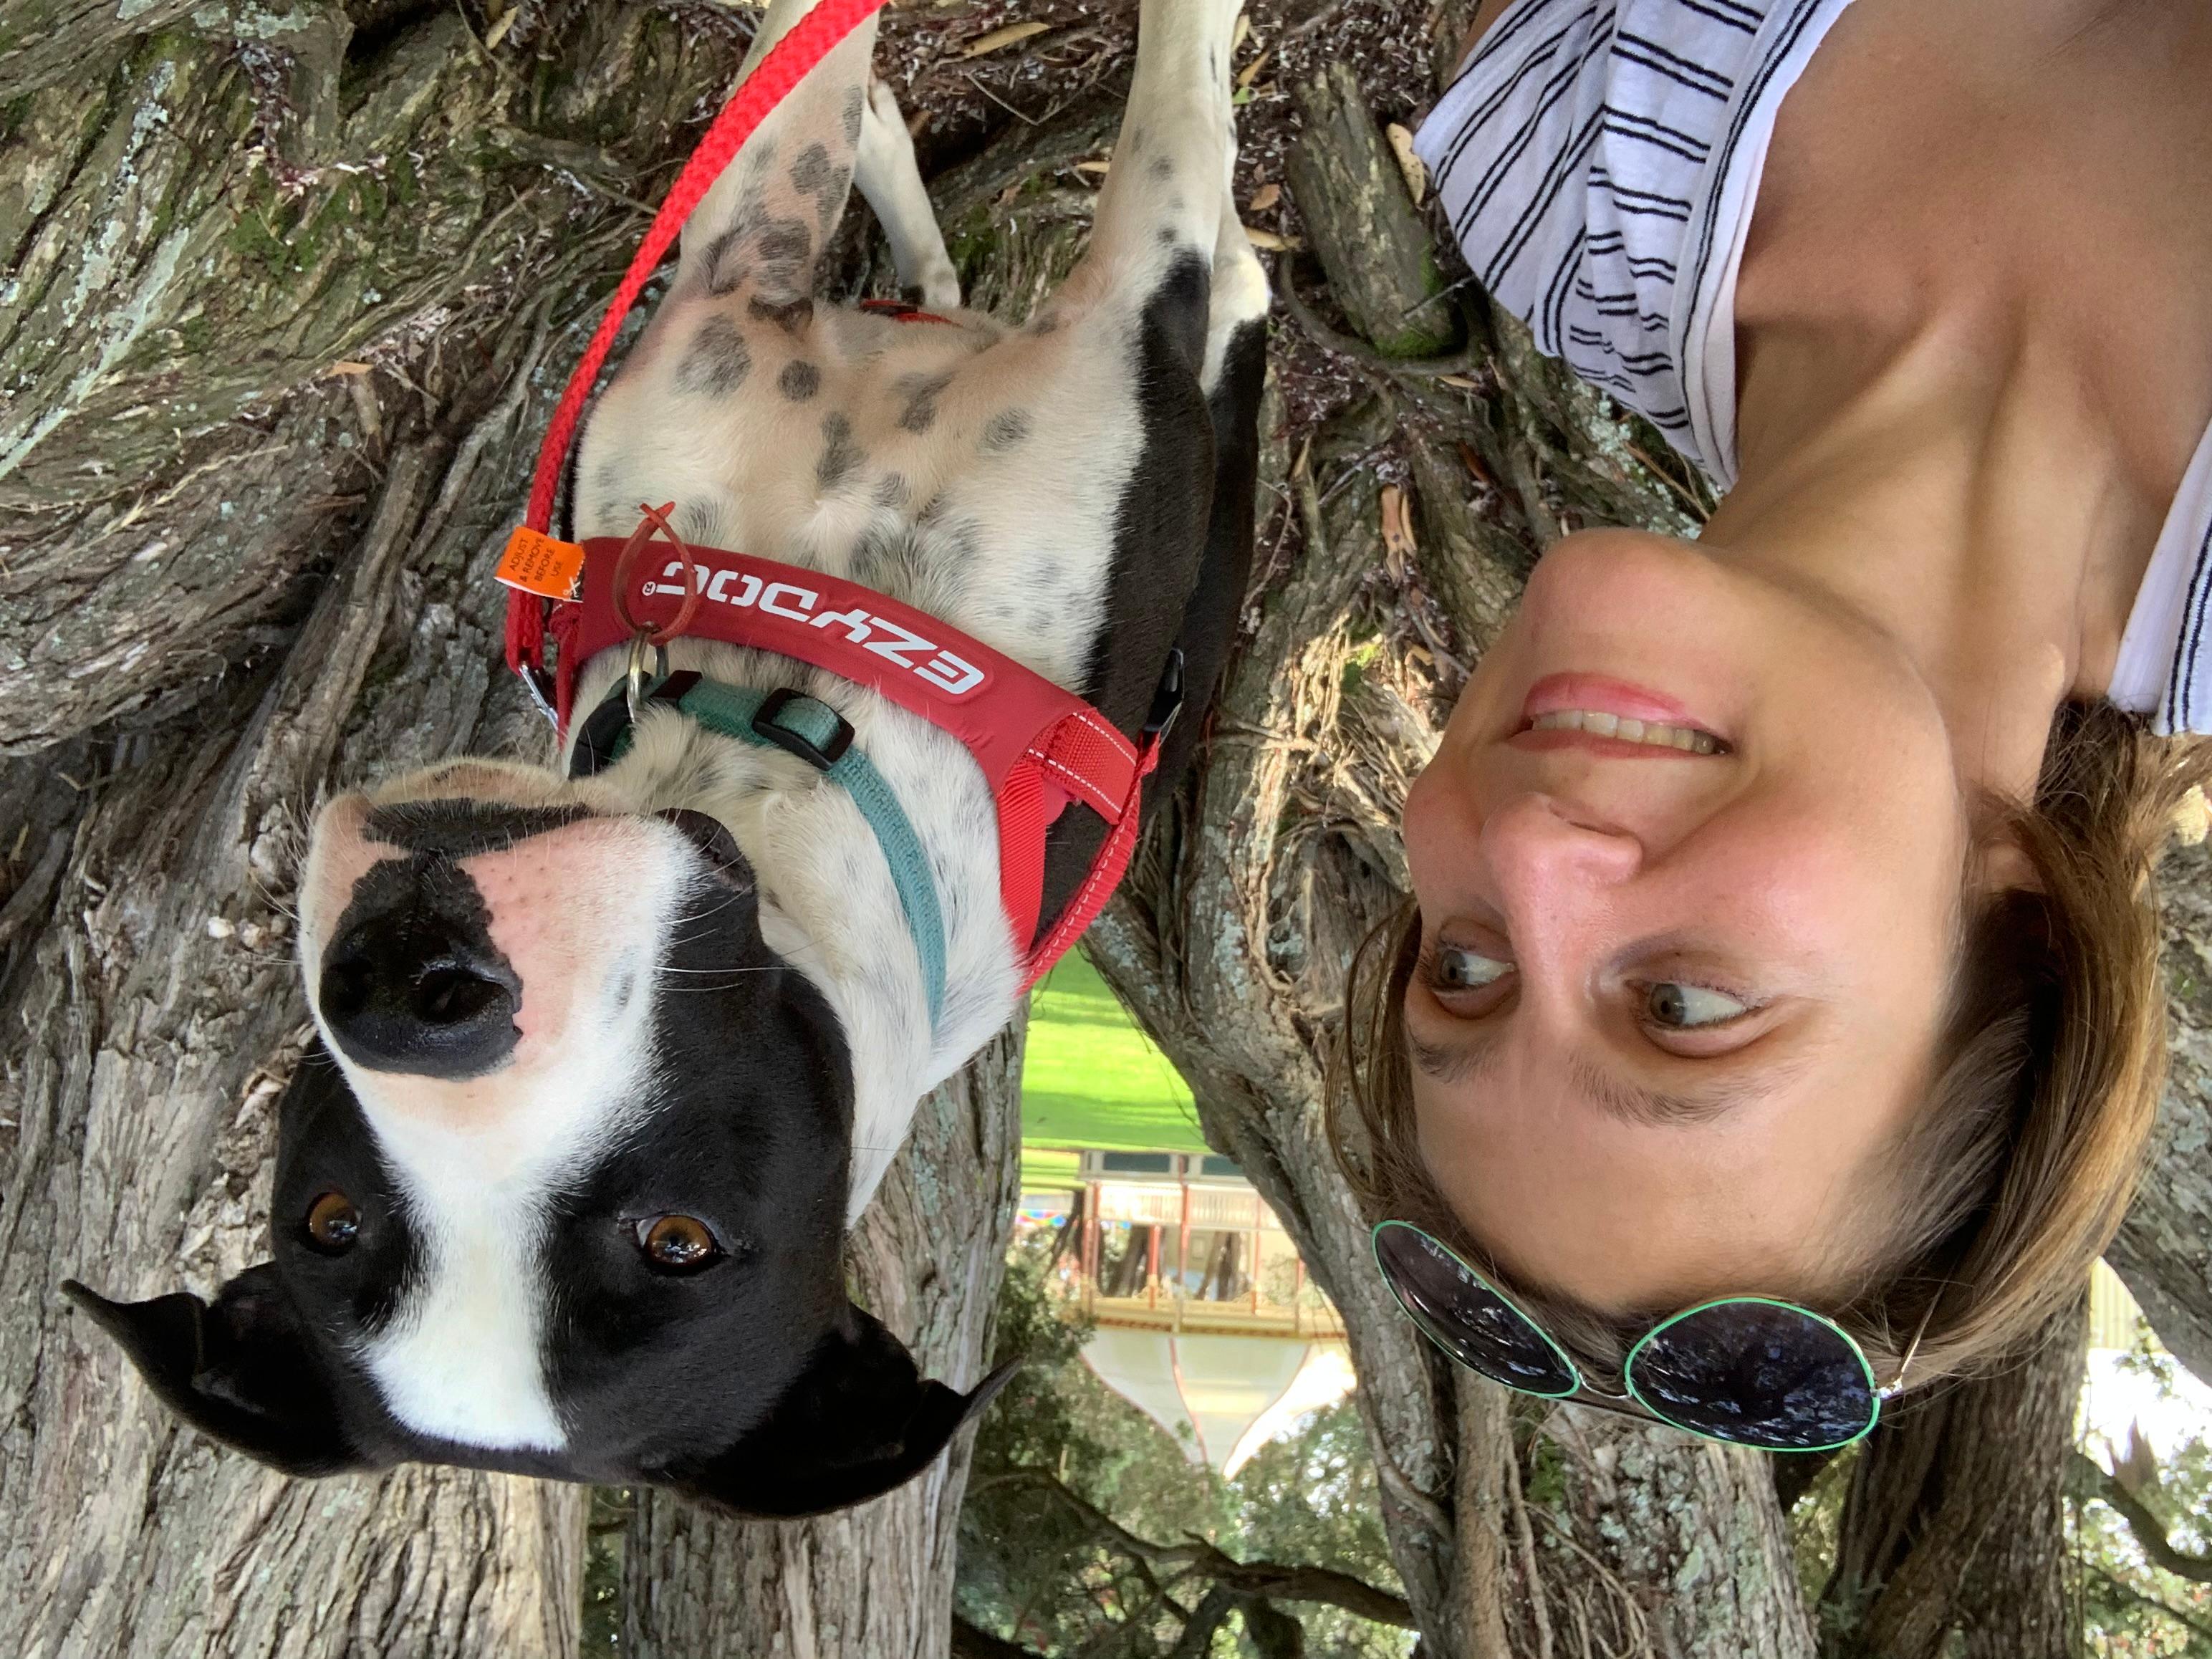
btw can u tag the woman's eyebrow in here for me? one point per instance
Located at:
(1456, 1062)
(1633, 1104)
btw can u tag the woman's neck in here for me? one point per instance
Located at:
(1947, 491)
(1973, 347)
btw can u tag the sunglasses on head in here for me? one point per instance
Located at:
(1746, 1369)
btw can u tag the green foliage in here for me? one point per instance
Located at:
(1053, 1576)
(2131, 1609)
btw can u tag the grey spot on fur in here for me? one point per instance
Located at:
(799, 380)
(729, 256)
(854, 99)
(701, 522)
(1005, 430)
(1048, 576)
(811, 172)
(1045, 322)
(921, 391)
(1167, 236)
(717, 361)
(840, 454)
(1163, 168)
(1041, 621)
(789, 315)
(786, 242)
(893, 490)
(830, 200)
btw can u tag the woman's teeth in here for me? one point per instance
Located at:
(1687, 739)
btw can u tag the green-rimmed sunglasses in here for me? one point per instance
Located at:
(1748, 1370)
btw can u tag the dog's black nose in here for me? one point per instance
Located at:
(412, 983)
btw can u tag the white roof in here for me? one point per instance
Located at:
(1221, 1397)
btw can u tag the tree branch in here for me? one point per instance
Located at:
(973, 1642)
(1271, 1579)
(2151, 1602)
(2150, 1531)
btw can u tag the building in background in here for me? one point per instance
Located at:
(1204, 1317)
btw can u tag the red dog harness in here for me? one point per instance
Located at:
(1039, 747)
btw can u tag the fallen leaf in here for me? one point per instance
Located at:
(1245, 75)
(1243, 34)
(2192, 817)
(347, 367)
(1472, 463)
(1099, 167)
(1417, 176)
(1459, 380)
(497, 32)
(1268, 242)
(1398, 543)
(1000, 38)
(1264, 198)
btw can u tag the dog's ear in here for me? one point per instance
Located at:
(242, 1371)
(858, 1421)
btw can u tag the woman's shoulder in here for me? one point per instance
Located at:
(1582, 157)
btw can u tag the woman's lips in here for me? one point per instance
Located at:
(1610, 717)
(1597, 694)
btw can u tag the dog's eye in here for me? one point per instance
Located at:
(333, 1224)
(676, 1244)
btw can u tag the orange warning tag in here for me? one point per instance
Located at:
(536, 563)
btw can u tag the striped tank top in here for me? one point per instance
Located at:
(1599, 160)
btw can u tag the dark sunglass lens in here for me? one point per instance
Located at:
(1757, 1374)
(1465, 1317)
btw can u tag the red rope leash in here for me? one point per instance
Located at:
(810, 39)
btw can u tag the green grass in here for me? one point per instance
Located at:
(1092, 1079)
(1048, 1169)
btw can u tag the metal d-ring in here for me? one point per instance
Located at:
(638, 686)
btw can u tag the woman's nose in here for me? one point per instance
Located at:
(1547, 855)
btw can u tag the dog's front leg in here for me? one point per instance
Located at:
(891, 178)
(1159, 215)
(764, 225)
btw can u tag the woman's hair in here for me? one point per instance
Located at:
(1990, 1206)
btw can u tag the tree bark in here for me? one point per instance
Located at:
(152, 1014)
(1954, 1520)
(2164, 1250)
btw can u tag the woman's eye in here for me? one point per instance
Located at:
(675, 1243)
(333, 1224)
(1460, 970)
(1685, 1008)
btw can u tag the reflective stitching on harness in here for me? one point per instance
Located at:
(1073, 776)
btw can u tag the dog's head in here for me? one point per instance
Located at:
(564, 1190)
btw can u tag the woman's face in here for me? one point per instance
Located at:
(1670, 1002)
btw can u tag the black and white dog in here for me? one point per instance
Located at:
(609, 1063)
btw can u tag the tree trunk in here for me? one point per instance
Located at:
(153, 1012)
(2164, 1250)
(1954, 1521)
(873, 1582)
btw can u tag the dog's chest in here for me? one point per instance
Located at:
(973, 472)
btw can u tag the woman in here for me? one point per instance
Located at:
(1781, 924)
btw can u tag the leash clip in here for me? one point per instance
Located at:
(1167, 699)
(638, 689)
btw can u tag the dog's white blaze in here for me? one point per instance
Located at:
(464, 1359)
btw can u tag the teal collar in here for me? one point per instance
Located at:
(818, 735)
